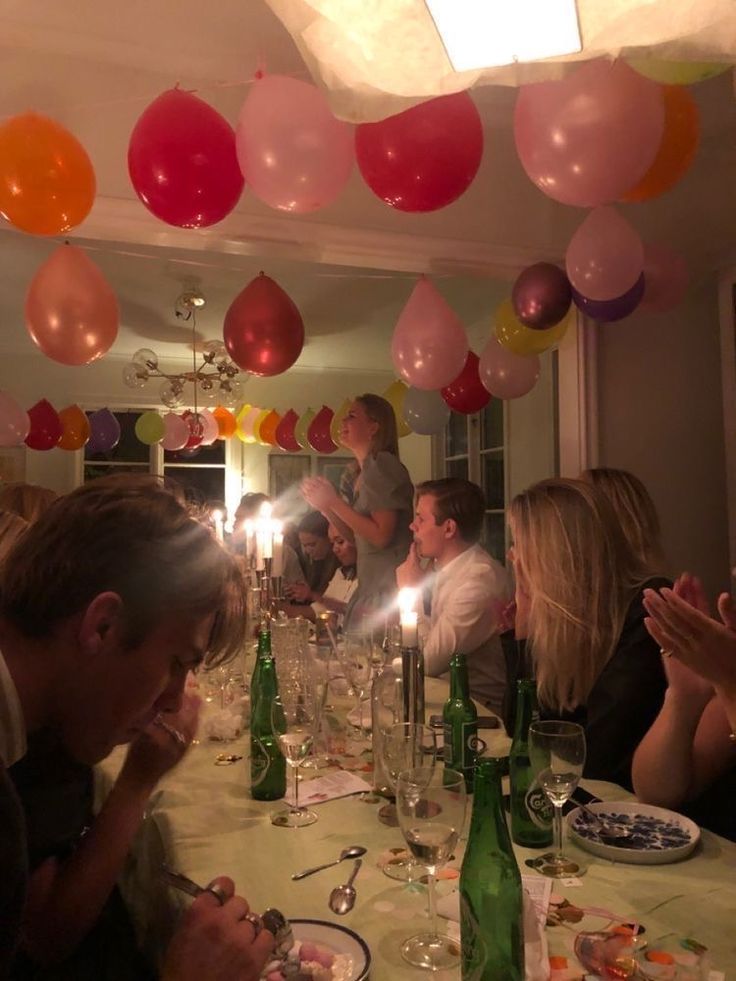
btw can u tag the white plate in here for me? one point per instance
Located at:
(658, 836)
(339, 939)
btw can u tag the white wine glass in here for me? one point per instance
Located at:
(557, 754)
(357, 663)
(295, 715)
(431, 807)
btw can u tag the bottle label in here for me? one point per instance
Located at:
(538, 806)
(260, 762)
(447, 744)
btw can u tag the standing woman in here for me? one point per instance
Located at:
(382, 509)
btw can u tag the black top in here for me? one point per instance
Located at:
(622, 705)
(13, 870)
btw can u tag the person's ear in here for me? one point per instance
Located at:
(100, 621)
(451, 530)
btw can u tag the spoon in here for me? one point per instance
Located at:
(342, 898)
(354, 851)
(606, 829)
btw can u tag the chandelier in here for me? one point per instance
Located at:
(215, 376)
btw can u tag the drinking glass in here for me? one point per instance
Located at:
(557, 754)
(295, 717)
(431, 807)
(357, 663)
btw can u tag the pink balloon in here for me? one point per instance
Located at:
(182, 161)
(605, 256)
(665, 278)
(15, 423)
(429, 344)
(176, 432)
(590, 137)
(71, 310)
(211, 429)
(295, 155)
(505, 374)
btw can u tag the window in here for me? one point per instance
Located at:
(130, 455)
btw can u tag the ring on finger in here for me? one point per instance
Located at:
(218, 892)
(255, 921)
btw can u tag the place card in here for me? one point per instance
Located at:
(330, 787)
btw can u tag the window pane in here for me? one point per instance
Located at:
(201, 484)
(456, 438)
(129, 449)
(493, 483)
(92, 472)
(457, 468)
(200, 454)
(491, 432)
(494, 535)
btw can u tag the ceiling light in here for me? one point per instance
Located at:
(487, 33)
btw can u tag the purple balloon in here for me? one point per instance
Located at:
(104, 432)
(607, 311)
(541, 296)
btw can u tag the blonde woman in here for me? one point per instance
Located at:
(580, 621)
(383, 505)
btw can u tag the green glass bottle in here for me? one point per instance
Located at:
(460, 723)
(531, 810)
(491, 905)
(267, 763)
(262, 651)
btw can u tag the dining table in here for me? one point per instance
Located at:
(203, 822)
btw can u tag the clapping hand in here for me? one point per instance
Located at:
(319, 493)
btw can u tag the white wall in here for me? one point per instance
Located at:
(661, 417)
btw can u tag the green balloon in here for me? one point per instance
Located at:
(300, 429)
(150, 428)
(676, 72)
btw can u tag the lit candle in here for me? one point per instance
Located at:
(408, 617)
(277, 568)
(250, 537)
(266, 532)
(217, 517)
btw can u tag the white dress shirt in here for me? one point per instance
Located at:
(339, 588)
(12, 723)
(465, 594)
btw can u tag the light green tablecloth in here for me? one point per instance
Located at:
(203, 822)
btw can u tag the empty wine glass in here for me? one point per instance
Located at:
(431, 808)
(557, 754)
(357, 663)
(295, 716)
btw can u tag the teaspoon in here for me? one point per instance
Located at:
(342, 898)
(354, 851)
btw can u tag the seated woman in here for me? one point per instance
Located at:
(319, 564)
(687, 760)
(340, 588)
(580, 622)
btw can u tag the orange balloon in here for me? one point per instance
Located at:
(267, 432)
(76, 429)
(226, 422)
(47, 183)
(676, 151)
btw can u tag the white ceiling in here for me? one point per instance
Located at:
(95, 66)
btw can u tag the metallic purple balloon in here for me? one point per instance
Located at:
(541, 296)
(606, 311)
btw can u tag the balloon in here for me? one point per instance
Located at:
(176, 432)
(425, 157)
(267, 429)
(195, 424)
(395, 394)
(541, 296)
(466, 394)
(14, 422)
(46, 428)
(150, 428)
(665, 278)
(75, 428)
(429, 344)
(505, 374)
(586, 139)
(302, 427)
(246, 420)
(263, 414)
(295, 155)
(211, 428)
(677, 149)
(607, 311)
(519, 339)
(426, 412)
(677, 72)
(71, 310)
(226, 422)
(263, 331)
(47, 184)
(104, 432)
(605, 256)
(338, 417)
(318, 432)
(285, 437)
(182, 161)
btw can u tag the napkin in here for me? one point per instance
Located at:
(536, 958)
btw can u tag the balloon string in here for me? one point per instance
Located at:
(194, 361)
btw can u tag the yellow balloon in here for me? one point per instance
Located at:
(520, 339)
(261, 418)
(676, 72)
(244, 418)
(337, 421)
(395, 394)
(300, 430)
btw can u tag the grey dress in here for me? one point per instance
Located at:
(384, 485)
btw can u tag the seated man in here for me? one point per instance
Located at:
(468, 586)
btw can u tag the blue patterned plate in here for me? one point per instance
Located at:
(656, 835)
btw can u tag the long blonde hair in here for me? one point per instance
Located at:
(581, 575)
(380, 411)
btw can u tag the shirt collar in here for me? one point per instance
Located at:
(452, 566)
(12, 724)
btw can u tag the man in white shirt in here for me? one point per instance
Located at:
(468, 586)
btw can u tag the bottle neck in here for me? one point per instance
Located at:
(526, 709)
(459, 687)
(488, 817)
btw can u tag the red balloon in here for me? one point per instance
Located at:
(318, 433)
(423, 158)
(182, 161)
(46, 426)
(195, 424)
(263, 331)
(466, 394)
(284, 435)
